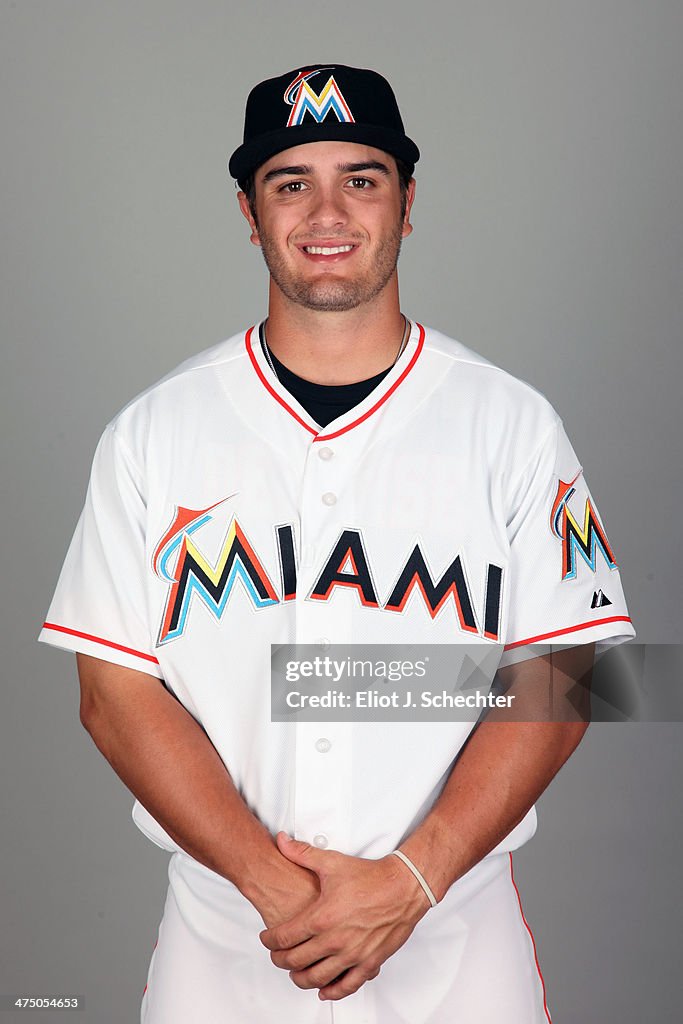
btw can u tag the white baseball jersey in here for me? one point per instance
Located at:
(448, 507)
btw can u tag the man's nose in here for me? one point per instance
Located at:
(328, 209)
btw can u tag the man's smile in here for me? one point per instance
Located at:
(328, 252)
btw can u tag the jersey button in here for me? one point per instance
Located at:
(320, 841)
(325, 454)
(329, 498)
(322, 745)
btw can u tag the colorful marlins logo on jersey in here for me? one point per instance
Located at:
(584, 540)
(303, 100)
(193, 578)
(182, 564)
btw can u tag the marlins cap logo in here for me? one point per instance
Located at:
(304, 100)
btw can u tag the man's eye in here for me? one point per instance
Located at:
(292, 186)
(360, 183)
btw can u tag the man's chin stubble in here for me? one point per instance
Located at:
(329, 300)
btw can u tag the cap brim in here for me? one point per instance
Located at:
(252, 154)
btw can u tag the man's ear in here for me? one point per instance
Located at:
(246, 211)
(410, 197)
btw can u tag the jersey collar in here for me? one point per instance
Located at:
(354, 417)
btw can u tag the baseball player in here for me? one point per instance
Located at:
(336, 473)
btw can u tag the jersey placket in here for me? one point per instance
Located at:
(323, 749)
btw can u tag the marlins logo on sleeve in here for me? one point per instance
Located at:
(579, 540)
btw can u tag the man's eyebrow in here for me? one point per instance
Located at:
(366, 165)
(279, 172)
(301, 169)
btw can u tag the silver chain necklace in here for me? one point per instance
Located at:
(402, 344)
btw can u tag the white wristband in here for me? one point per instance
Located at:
(409, 864)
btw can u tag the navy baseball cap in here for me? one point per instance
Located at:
(320, 103)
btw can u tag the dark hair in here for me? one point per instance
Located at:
(248, 186)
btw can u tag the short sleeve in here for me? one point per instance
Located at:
(563, 576)
(100, 606)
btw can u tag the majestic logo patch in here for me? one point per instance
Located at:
(304, 100)
(600, 599)
(584, 540)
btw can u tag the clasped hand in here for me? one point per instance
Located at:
(365, 912)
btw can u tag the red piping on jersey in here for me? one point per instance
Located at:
(387, 394)
(99, 640)
(343, 430)
(570, 629)
(268, 386)
(533, 941)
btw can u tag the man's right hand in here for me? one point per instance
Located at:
(287, 890)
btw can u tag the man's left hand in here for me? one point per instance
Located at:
(365, 912)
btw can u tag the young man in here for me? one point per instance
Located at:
(338, 474)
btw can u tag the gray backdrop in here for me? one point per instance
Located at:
(547, 237)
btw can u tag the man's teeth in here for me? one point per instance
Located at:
(327, 250)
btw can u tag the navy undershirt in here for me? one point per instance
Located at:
(324, 402)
